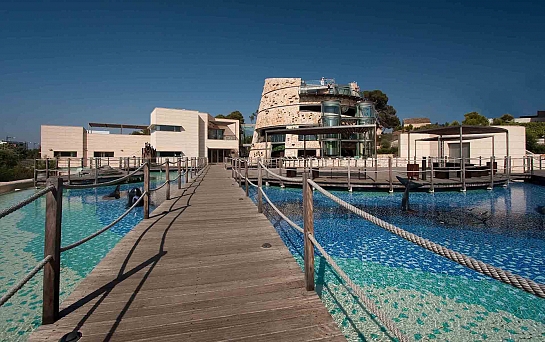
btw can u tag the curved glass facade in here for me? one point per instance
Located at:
(331, 116)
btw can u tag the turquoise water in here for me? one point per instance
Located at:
(428, 296)
(22, 239)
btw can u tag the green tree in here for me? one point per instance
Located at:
(145, 131)
(387, 115)
(253, 116)
(454, 123)
(220, 116)
(475, 119)
(236, 115)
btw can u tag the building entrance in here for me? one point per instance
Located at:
(218, 155)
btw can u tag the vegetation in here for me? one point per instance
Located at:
(12, 162)
(236, 115)
(385, 144)
(475, 119)
(386, 113)
(253, 116)
(145, 131)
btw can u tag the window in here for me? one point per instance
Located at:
(216, 134)
(166, 128)
(100, 154)
(65, 154)
(168, 154)
(310, 108)
(308, 137)
(277, 138)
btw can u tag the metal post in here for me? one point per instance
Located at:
(52, 246)
(146, 187)
(432, 187)
(308, 215)
(259, 187)
(168, 179)
(179, 173)
(68, 171)
(390, 178)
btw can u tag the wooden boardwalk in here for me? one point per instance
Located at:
(196, 271)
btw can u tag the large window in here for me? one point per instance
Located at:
(65, 154)
(216, 134)
(166, 128)
(308, 137)
(101, 154)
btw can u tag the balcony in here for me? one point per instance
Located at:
(328, 87)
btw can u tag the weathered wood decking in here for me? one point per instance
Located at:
(196, 271)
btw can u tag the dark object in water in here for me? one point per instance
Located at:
(134, 195)
(540, 209)
(114, 194)
(408, 186)
(71, 337)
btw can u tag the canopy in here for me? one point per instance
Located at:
(109, 125)
(455, 130)
(323, 130)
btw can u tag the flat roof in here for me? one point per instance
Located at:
(454, 138)
(455, 130)
(110, 125)
(323, 130)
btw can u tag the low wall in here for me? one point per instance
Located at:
(18, 184)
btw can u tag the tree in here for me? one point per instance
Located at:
(236, 115)
(144, 131)
(475, 119)
(386, 113)
(504, 119)
(220, 116)
(253, 116)
(455, 123)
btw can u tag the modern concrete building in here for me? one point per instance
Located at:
(172, 132)
(416, 122)
(539, 117)
(291, 103)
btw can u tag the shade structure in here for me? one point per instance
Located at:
(455, 130)
(110, 125)
(323, 130)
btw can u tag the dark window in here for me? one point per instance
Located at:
(310, 108)
(65, 154)
(216, 134)
(168, 154)
(100, 154)
(166, 128)
(277, 138)
(308, 137)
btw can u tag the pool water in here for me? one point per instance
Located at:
(22, 239)
(428, 296)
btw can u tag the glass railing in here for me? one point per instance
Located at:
(328, 89)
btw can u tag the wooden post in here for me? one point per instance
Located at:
(308, 213)
(232, 168)
(348, 174)
(246, 178)
(509, 165)
(193, 163)
(46, 168)
(186, 174)
(120, 163)
(167, 179)
(179, 173)
(96, 173)
(432, 187)
(531, 166)
(540, 162)
(68, 171)
(108, 160)
(376, 169)
(35, 173)
(259, 187)
(390, 178)
(146, 187)
(491, 186)
(52, 246)
(239, 172)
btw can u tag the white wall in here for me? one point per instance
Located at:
(123, 145)
(186, 141)
(62, 138)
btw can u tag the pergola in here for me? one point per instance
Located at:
(120, 126)
(314, 130)
(458, 133)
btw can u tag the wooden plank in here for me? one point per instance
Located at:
(196, 271)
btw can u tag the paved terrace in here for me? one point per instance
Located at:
(196, 271)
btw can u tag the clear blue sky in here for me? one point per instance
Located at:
(73, 62)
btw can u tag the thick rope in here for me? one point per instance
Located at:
(371, 307)
(119, 180)
(507, 277)
(286, 179)
(290, 222)
(27, 201)
(82, 241)
(159, 187)
(25, 280)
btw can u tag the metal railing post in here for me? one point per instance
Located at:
(179, 173)
(167, 179)
(146, 188)
(246, 177)
(390, 178)
(308, 213)
(52, 246)
(259, 187)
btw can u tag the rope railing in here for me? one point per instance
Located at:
(506, 277)
(369, 305)
(115, 181)
(160, 186)
(82, 241)
(25, 202)
(287, 179)
(25, 280)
